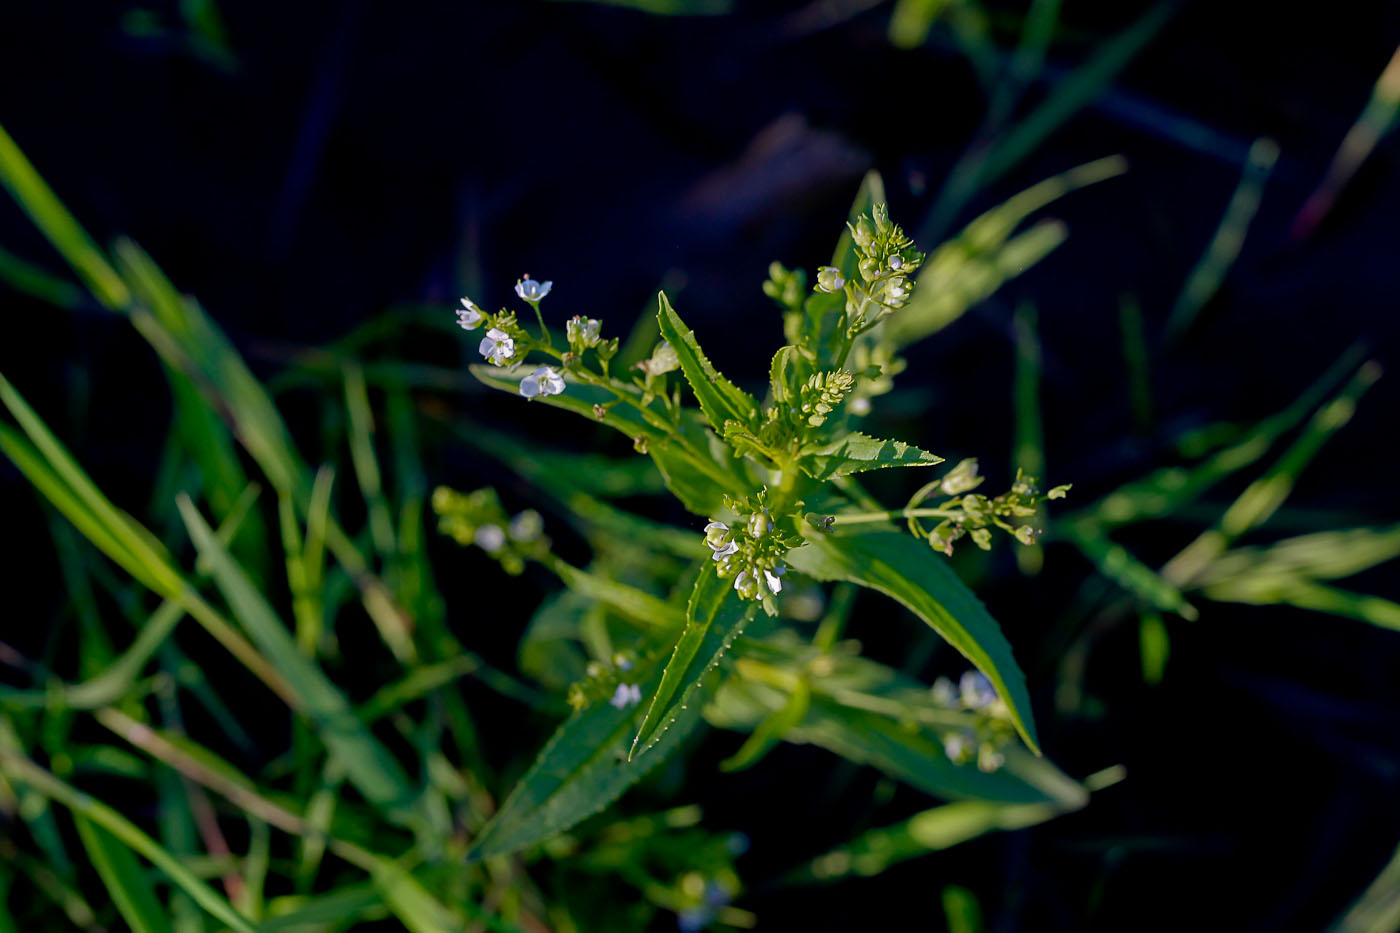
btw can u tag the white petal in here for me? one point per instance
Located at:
(529, 387)
(774, 582)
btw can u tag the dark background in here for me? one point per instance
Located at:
(363, 155)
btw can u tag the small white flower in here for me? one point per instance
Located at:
(497, 346)
(774, 578)
(545, 380)
(626, 695)
(944, 693)
(859, 406)
(526, 526)
(958, 746)
(721, 553)
(490, 538)
(469, 316)
(896, 262)
(897, 290)
(530, 290)
(976, 690)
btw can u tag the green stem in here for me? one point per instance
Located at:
(544, 331)
(860, 518)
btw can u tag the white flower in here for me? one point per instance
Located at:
(944, 693)
(976, 690)
(545, 380)
(958, 746)
(896, 262)
(526, 526)
(489, 538)
(530, 290)
(774, 578)
(897, 290)
(722, 552)
(497, 346)
(469, 316)
(626, 695)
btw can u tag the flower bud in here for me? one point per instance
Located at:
(829, 279)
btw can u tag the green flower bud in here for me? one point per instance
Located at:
(961, 478)
(829, 279)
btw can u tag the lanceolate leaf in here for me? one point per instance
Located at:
(715, 617)
(858, 452)
(582, 769)
(720, 399)
(905, 569)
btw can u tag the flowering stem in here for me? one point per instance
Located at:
(544, 331)
(860, 518)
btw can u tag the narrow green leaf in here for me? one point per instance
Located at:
(368, 764)
(125, 832)
(583, 768)
(771, 730)
(856, 453)
(719, 398)
(63, 231)
(910, 572)
(419, 911)
(714, 618)
(131, 891)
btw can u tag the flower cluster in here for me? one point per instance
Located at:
(752, 551)
(974, 515)
(477, 518)
(506, 343)
(887, 259)
(992, 730)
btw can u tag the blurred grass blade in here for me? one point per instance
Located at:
(771, 730)
(29, 279)
(1154, 647)
(1135, 361)
(911, 21)
(20, 768)
(418, 910)
(1377, 910)
(132, 893)
(715, 617)
(939, 828)
(635, 604)
(961, 910)
(1168, 489)
(62, 230)
(1376, 121)
(1119, 565)
(921, 580)
(972, 265)
(369, 765)
(1210, 270)
(980, 168)
(366, 463)
(1267, 591)
(1263, 496)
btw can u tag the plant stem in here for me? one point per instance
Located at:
(859, 518)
